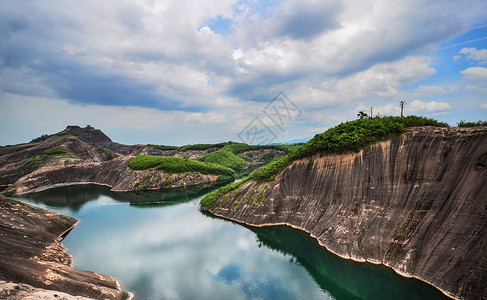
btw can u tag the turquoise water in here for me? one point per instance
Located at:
(160, 246)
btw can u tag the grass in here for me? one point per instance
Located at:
(178, 165)
(56, 150)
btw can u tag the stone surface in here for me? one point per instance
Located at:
(31, 252)
(416, 203)
(22, 291)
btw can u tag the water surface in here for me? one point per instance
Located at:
(158, 245)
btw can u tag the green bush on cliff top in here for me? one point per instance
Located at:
(348, 136)
(178, 165)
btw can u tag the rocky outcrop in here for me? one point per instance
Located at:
(31, 252)
(92, 157)
(416, 203)
(21, 291)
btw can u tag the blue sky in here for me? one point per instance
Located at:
(179, 72)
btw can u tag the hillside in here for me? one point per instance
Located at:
(86, 155)
(414, 201)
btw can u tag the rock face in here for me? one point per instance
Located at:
(416, 203)
(31, 252)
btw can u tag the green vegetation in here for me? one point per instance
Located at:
(213, 196)
(17, 201)
(471, 124)
(10, 193)
(56, 150)
(225, 158)
(233, 147)
(348, 136)
(49, 136)
(178, 165)
(269, 157)
(201, 146)
(164, 147)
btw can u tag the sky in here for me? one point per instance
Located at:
(191, 71)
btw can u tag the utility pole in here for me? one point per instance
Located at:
(402, 109)
(371, 116)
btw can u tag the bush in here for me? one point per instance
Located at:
(201, 146)
(56, 150)
(348, 136)
(225, 158)
(269, 157)
(471, 124)
(210, 198)
(178, 165)
(164, 147)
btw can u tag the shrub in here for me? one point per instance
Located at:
(178, 165)
(348, 136)
(210, 198)
(164, 147)
(56, 150)
(269, 157)
(225, 158)
(471, 124)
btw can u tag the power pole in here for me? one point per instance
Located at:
(402, 109)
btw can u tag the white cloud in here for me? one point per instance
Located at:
(475, 54)
(484, 105)
(475, 73)
(418, 106)
(431, 89)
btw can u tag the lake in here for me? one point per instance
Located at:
(159, 245)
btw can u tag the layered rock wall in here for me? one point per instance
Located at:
(416, 203)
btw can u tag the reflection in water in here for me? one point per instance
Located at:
(173, 251)
(75, 196)
(344, 279)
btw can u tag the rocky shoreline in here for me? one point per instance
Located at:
(415, 203)
(31, 253)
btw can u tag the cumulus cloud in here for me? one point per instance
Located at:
(475, 73)
(173, 57)
(479, 55)
(418, 106)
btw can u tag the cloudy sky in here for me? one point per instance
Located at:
(188, 71)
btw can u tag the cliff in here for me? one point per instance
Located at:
(416, 203)
(31, 252)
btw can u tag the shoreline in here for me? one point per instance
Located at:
(337, 254)
(33, 254)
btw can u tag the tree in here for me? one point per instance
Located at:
(402, 108)
(361, 114)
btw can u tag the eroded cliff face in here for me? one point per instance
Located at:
(416, 203)
(31, 252)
